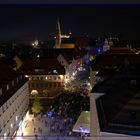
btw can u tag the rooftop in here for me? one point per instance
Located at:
(41, 66)
(119, 107)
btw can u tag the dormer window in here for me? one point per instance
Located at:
(7, 87)
(55, 71)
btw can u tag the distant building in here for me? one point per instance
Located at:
(106, 45)
(66, 61)
(14, 101)
(61, 40)
(46, 76)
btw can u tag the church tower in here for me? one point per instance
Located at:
(58, 35)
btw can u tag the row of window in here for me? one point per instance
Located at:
(45, 85)
(11, 100)
(42, 71)
(16, 119)
(21, 106)
(46, 78)
(13, 83)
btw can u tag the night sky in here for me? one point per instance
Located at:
(20, 22)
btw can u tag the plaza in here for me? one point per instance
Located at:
(41, 128)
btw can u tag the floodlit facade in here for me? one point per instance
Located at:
(14, 101)
(46, 76)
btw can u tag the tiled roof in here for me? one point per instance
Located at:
(111, 60)
(120, 50)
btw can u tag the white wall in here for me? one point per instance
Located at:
(15, 109)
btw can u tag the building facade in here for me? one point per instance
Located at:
(46, 76)
(14, 101)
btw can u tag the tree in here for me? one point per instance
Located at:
(36, 107)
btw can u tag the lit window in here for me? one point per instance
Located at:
(16, 118)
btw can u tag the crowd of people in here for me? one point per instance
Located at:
(65, 111)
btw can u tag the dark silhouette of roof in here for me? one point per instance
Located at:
(41, 66)
(7, 76)
(119, 108)
(112, 60)
(120, 50)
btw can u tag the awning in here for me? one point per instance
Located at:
(83, 123)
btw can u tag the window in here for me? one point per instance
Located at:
(17, 79)
(54, 77)
(0, 91)
(37, 85)
(13, 83)
(33, 85)
(50, 77)
(0, 128)
(7, 87)
(41, 78)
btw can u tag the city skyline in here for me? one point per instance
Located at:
(27, 22)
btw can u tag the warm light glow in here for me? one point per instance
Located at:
(46, 78)
(65, 36)
(34, 92)
(27, 116)
(61, 76)
(11, 125)
(96, 72)
(26, 76)
(66, 80)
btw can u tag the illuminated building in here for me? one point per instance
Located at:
(14, 101)
(46, 76)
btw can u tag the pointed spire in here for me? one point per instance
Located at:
(58, 26)
(58, 35)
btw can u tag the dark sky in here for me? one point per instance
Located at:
(70, 1)
(25, 22)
